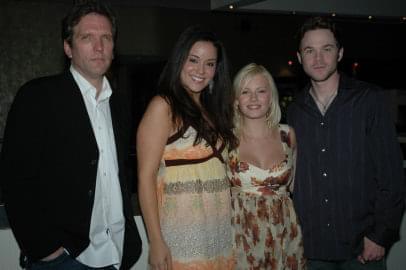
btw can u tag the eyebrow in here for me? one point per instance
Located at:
(92, 33)
(194, 55)
(326, 45)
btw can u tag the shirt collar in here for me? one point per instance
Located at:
(86, 88)
(345, 83)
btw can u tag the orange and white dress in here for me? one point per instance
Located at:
(194, 204)
(267, 234)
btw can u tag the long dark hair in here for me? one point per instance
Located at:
(217, 102)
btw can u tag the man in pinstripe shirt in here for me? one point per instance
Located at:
(349, 187)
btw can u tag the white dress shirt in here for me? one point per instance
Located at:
(107, 221)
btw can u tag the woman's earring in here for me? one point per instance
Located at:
(211, 85)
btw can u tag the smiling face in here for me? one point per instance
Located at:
(199, 68)
(254, 98)
(91, 51)
(319, 54)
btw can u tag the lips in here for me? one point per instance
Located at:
(98, 59)
(318, 67)
(253, 107)
(197, 79)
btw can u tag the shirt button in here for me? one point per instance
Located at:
(328, 224)
(323, 150)
(326, 200)
(325, 174)
(90, 193)
(321, 123)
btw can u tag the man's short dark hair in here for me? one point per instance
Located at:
(81, 9)
(315, 23)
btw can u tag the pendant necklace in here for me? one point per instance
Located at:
(323, 106)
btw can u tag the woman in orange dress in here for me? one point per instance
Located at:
(181, 150)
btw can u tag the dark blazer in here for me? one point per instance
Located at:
(48, 168)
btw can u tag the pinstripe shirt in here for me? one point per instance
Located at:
(349, 176)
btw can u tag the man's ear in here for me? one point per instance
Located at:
(67, 49)
(299, 57)
(340, 54)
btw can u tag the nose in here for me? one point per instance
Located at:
(98, 44)
(253, 96)
(318, 55)
(201, 68)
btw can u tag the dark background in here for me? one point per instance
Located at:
(30, 47)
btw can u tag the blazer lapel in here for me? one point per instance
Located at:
(76, 109)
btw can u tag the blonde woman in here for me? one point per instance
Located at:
(261, 171)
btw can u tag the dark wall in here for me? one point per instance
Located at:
(30, 45)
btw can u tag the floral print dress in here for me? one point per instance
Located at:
(267, 234)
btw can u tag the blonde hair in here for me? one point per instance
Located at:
(243, 76)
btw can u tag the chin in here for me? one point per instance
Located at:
(318, 77)
(254, 116)
(196, 89)
(321, 77)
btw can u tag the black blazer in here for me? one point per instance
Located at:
(49, 164)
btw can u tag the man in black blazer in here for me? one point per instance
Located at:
(62, 163)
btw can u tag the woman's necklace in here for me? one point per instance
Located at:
(323, 106)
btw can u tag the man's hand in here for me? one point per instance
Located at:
(54, 255)
(371, 252)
